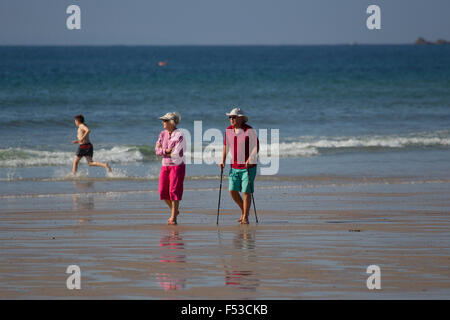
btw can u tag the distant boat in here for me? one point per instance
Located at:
(162, 63)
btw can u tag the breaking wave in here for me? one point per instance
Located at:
(304, 146)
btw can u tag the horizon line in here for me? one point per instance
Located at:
(355, 43)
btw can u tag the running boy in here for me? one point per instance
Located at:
(85, 148)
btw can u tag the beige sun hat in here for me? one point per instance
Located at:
(238, 112)
(175, 116)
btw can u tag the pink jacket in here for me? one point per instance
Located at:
(176, 142)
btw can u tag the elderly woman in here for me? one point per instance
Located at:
(171, 146)
(242, 142)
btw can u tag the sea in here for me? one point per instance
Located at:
(344, 113)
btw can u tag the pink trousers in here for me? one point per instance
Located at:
(171, 181)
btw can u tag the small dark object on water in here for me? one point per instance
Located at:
(354, 230)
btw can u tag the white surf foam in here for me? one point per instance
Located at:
(303, 146)
(25, 157)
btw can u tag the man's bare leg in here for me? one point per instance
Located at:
(76, 160)
(247, 204)
(98, 164)
(237, 198)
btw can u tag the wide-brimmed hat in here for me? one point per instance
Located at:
(238, 112)
(175, 116)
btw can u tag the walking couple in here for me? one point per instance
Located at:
(240, 139)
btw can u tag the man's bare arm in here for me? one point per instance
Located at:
(252, 159)
(224, 156)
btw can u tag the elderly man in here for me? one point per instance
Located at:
(241, 139)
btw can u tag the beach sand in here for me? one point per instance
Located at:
(316, 245)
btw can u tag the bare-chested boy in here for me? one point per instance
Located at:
(85, 149)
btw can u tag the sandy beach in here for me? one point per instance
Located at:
(316, 245)
(356, 138)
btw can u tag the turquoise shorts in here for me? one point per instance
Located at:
(238, 180)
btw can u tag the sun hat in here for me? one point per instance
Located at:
(238, 112)
(175, 116)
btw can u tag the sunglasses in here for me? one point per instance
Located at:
(232, 117)
(165, 120)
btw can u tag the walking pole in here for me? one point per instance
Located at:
(251, 188)
(220, 192)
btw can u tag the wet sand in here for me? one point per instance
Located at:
(317, 245)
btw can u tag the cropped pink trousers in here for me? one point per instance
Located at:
(171, 181)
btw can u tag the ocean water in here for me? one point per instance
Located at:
(359, 111)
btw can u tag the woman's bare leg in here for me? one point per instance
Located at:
(173, 206)
(173, 219)
(169, 204)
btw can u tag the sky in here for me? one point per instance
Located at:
(224, 22)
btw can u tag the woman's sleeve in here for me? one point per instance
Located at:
(159, 151)
(177, 145)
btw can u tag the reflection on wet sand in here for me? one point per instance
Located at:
(83, 204)
(172, 247)
(83, 185)
(244, 239)
(238, 272)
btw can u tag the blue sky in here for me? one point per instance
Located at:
(168, 22)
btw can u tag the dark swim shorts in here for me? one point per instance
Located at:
(85, 150)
